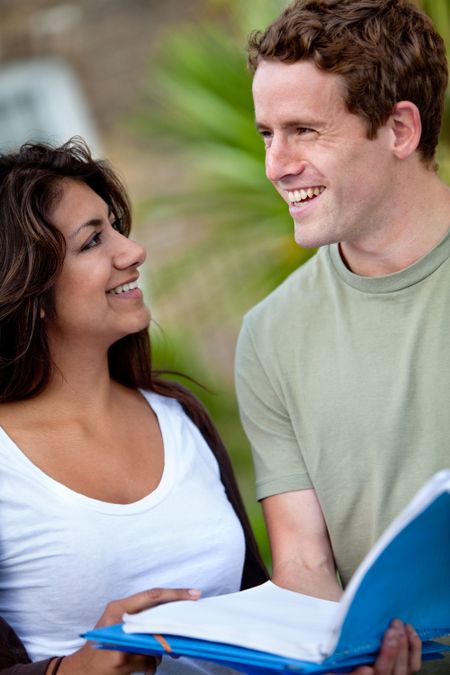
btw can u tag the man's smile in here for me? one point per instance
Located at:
(298, 196)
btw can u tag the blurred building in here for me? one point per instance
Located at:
(41, 99)
(77, 68)
(74, 67)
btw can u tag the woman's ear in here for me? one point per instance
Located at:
(406, 128)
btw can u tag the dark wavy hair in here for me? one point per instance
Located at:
(386, 51)
(32, 254)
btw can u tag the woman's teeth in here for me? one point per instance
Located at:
(123, 288)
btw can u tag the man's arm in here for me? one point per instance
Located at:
(303, 562)
(301, 550)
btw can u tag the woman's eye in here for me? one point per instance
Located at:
(93, 241)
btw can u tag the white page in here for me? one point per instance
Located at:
(267, 618)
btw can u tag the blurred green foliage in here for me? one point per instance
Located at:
(172, 350)
(197, 109)
(439, 11)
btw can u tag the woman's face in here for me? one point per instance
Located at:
(96, 294)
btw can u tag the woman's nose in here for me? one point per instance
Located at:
(129, 253)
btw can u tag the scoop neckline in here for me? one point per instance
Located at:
(153, 498)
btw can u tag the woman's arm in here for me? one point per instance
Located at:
(14, 659)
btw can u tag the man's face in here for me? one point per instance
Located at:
(337, 182)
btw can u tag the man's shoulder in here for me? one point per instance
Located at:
(297, 293)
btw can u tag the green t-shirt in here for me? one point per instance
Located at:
(344, 386)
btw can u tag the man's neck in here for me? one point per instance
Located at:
(421, 220)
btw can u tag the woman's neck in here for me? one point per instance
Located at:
(80, 384)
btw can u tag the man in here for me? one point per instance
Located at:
(343, 372)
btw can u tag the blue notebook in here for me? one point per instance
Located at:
(268, 629)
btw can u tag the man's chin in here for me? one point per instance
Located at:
(310, 236)
(304, 238)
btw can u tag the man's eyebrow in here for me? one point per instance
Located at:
(289, 124)
(262, 126)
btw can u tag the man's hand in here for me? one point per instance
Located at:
(400, 653)
(91, 661)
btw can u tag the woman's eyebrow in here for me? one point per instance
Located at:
(93, 222)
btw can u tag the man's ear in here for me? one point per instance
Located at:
(406, 128)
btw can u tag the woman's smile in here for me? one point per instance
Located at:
(128, 290)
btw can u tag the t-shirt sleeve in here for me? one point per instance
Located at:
(277, 457)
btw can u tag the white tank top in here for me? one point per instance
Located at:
(64, 556)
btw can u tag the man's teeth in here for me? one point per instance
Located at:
(124, 288)
(301, 195)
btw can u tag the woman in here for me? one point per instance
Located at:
(112, 480)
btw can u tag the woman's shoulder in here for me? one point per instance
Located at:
(159, 402)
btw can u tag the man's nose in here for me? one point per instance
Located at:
(282, 160)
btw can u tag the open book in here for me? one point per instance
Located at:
(266, 629)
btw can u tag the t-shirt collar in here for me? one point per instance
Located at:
(389, 283)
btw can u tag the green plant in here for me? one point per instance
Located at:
(439, 11)
(198, 107)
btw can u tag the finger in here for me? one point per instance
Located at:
(415, 649)
(153, 666)
(402, 660)
(385, 663)
(140, 663)
(157, 596)
(115, 610)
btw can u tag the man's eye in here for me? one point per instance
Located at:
(93, 241)
(305, 130)
(266, 137)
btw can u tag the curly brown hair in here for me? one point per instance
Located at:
(386, 51)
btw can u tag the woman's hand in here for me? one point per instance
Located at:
(400, 653)
(91, 661)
